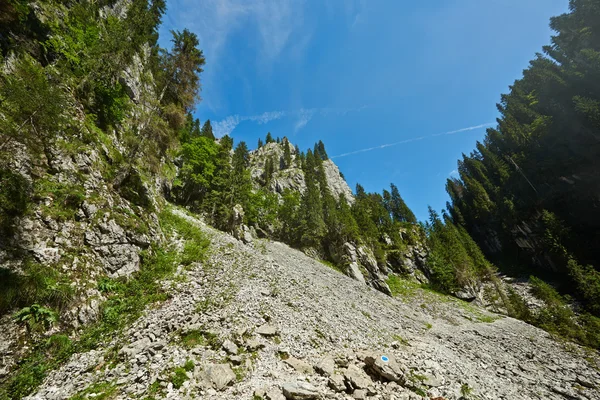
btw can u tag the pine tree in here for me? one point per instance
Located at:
(287, 155)
(184, 65)
(312, 226)
(269, 170)
(269, 138)
(218, 203)
(321, 150)
(207, 130)
(398, 208)
(260, 143)
(240, 180)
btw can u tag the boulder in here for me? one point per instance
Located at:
(301, 366)
(230, 347)
(220, 375)
(299, 391)
(267, 330)
(326, 366)
(356, 378)
(354, 272)
(384, 367)
(337, 383)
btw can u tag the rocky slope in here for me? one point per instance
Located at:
(264, 320)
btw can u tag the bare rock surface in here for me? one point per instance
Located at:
(432, 343)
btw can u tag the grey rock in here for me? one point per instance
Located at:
(300, 391)
(220, 375)
(356, 378)
(230, 347)
(301, 366)
(236, 360)
(359, 394)
(326, 366)
(337, 383)
(254, 344)
(432, 381)
(353, 271)
(267, 330)
(274, 394)
(388, 370)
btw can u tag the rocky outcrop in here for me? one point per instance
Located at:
(292, 177)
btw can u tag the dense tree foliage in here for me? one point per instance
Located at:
(530, 193)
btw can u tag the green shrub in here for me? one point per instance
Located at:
(557, 317)
(65, 198)
(36, 284)
(36, 317)
(189, 365)
(179, 377)
(14, 198)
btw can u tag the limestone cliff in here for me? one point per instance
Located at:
(292, 177)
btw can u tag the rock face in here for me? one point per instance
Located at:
(325, 319)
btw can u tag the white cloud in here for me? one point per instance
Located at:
(271, 25)
(304, 115)
(267, 116)
(471, 128)
(226, 126)
(303, 118)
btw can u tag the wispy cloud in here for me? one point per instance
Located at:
(303, 118)
(272, 27)
(454, 173)
(383, 146)
(303, 115)
(227, 125)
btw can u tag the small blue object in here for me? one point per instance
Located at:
(384, 359)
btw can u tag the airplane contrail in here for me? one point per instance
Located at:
(383, 146)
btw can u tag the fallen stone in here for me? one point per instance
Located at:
(220, 375)
(584, 382)
(254, 345)
(326, 366)
(360, 394)
(236, 360)
(299, 391)
(301, 366)
(385, 367)
(336, 382)
(267, 330)
(230, 347)
(356, 378)
(432, 381)
(275, 394)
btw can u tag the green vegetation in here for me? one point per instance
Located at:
(527, 193)
(558, 318)
(195, 338)
(127, 299)
(37, 284)
(401, 287)
(100, 391)
(36, 317)
(178, 377)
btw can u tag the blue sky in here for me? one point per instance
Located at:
(360, 75)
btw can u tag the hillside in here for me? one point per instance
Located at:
(264, 318)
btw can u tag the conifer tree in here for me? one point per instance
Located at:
(207, 130)
(269, 138)
(287, 155)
